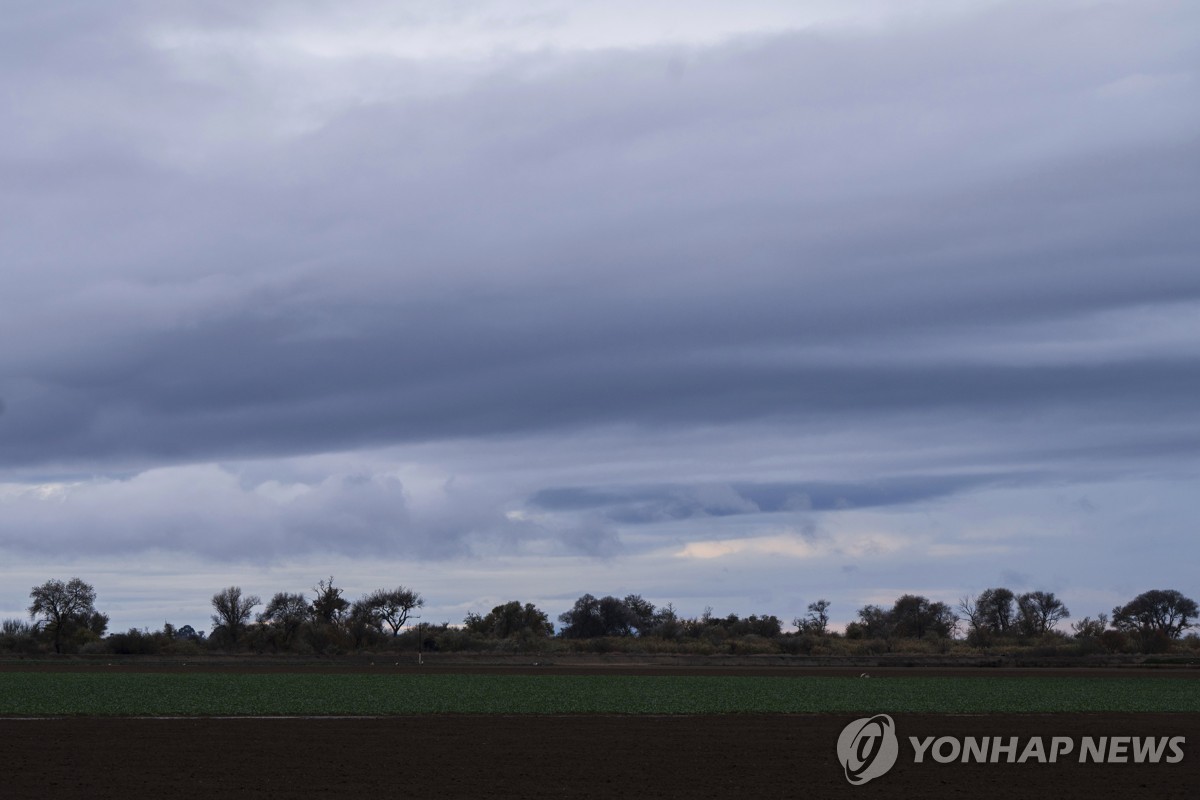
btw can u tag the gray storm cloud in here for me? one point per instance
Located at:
(600, 240)
(596, 295)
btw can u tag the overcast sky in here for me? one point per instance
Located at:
(730, 305)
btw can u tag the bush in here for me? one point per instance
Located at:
(132, 643)
(1116, 642)
(184, 647)
(752, 645)
(1154, 642)
(870, 647)
(457, 640)
(18, 636)
(803, 644)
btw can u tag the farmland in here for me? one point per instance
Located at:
(289, 693)
(271, 730)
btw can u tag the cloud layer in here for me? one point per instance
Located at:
(267, 269)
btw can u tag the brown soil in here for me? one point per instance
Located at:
(461, 756)
(776, 756)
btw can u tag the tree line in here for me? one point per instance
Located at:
(63, 618)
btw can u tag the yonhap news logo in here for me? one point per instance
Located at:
(868, 748)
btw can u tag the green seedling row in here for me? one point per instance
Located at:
(205, 694)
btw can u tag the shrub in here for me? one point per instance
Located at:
(1116, 642)
(18, 636)
(132, 643)
(752, 644)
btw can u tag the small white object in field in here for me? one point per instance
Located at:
(864, 675)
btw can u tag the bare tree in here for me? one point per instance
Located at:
(1088, 628)
(989, 615)
(63, 607)
(817, 620)
(970, 612)
(233, 611)
(392, 606)
(1039, 612)
(286, 613)
(329, 607)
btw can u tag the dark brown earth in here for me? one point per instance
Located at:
(461, 756)
(776, 756)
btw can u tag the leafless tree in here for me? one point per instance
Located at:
(1039, 612)
(1088, 628)
(817, 620)
(392, 606)
(286, 613)
(233, 611)
(329, 607)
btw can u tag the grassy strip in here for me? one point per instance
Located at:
(137, 694)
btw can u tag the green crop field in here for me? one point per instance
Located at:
(137, 694)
